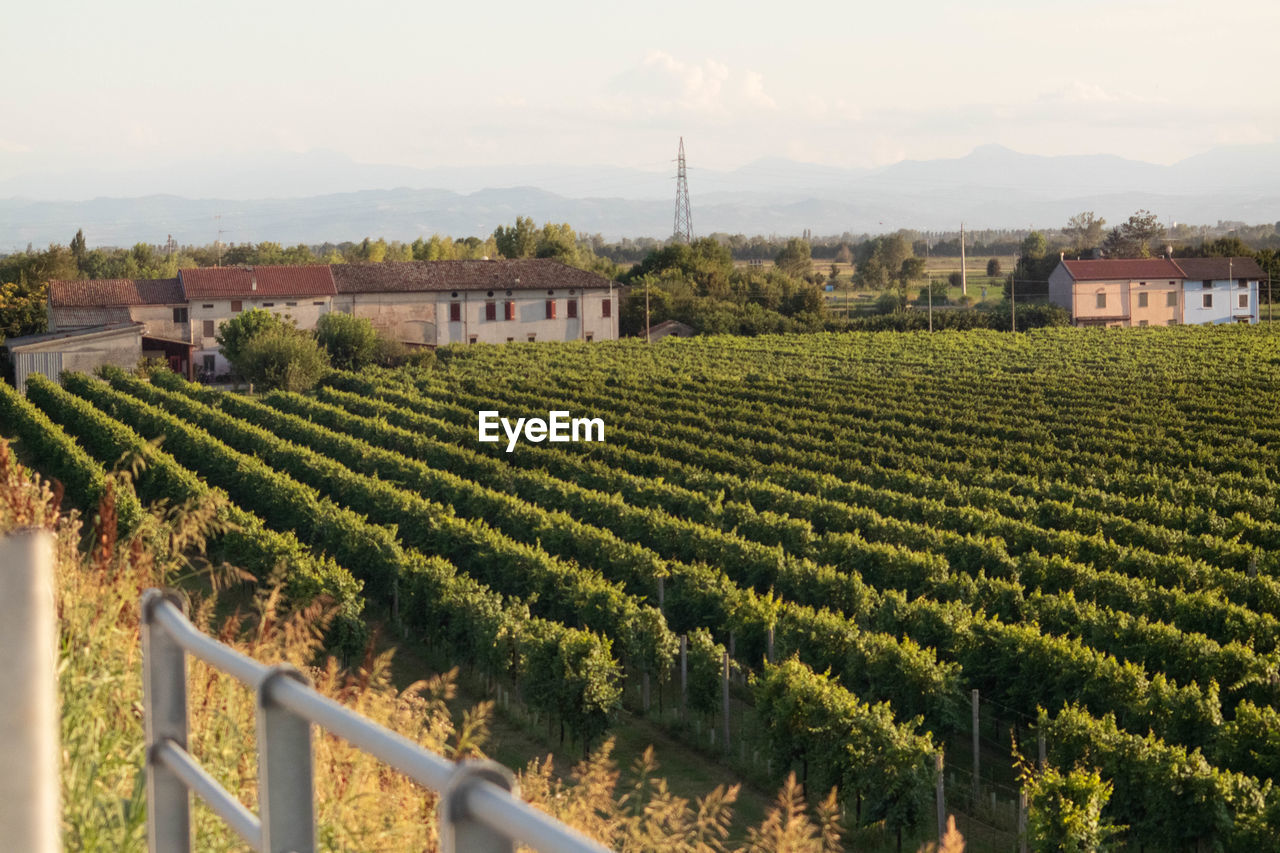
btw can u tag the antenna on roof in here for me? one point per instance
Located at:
(217, 244)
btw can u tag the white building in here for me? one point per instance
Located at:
(1220, 290)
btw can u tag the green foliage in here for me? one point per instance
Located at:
(993, 268)
(517, 241)
(857, 748)
(1138, 237)
(795, 259)
(1083, 232)
(282, 358)
(351, 342)
(1065, 811)
(234, 335)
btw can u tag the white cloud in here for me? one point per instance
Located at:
(665, 85)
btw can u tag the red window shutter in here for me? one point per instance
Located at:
(606, 308)
(491, 311)
(511, 310)
(455, 312)
(573, 309)
(551, 309)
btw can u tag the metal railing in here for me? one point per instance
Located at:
(479, 810)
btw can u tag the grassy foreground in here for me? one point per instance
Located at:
(360, 804)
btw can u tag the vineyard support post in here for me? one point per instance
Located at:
(684, 674)
(29, 752)
(1022, 822)
(724, 691)
(977, 747)
(938, 766)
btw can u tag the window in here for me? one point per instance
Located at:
(571, 309)
(509, 310)
(511, 340)
(1206, 284)
(606, 308)
(489, 294)
(207, 305)
(268, 305)
(291, 305)
(208, 328)
(1142, 322)
(551, 309)
(1244, 300)
(590, 337)
(236, 306)
(491, 311)
(318, 302)
(471, 339)
(1142, 300)
(179, 315)
(1242, 283)
(1102, 300)
(1171, 299)
(455, 312)
(210, 364)
(1173, 322)
(532, 338)
(1208, 300)
(1142, 284)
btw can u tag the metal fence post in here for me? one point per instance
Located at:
(286, 790)
(29, 811)
(164, 696)
(459, 831)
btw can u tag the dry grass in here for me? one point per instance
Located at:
(361, 804)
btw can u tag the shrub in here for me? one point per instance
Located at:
(283, 359)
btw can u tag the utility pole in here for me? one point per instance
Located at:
(928, 281)
(964, 274)
(683, 229)
(647, 338)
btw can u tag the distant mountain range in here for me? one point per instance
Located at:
(322, 196)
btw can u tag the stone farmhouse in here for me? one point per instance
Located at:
(421, 303)
(1157, 291)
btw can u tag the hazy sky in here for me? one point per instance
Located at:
(124, 84)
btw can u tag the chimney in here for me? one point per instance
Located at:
(1062, 256)
(1168, 252)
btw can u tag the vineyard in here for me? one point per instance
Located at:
(858, 539)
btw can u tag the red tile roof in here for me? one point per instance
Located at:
(115, 291)
(250, 282)
(1126, 269)
(1220, 268)
(503, 274)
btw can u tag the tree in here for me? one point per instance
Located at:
(993, 268)
(78, 249)
(517, 241)
(236, 333)
(558, 242)
(1135, 237)
(282, 358)
(796, 258)
(351, 342)
(1084, 231)
(1033, 246)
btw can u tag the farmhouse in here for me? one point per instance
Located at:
(1157, 291)
(424, 303)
